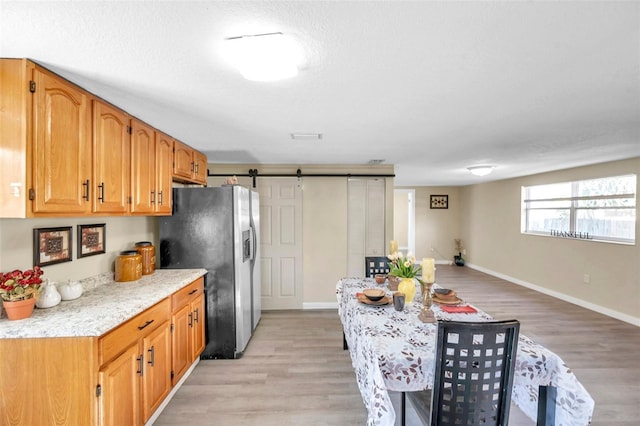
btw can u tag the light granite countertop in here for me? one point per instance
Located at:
(104, 304)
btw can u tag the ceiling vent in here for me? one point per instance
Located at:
(306, 136)
(375, 161)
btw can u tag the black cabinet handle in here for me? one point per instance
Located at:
(197, 315)
(101, 192)
(195, 290)
(191, 319)
(140, 360)
(152, 358)
(160, 197)
(140, 327)
(153, 197)
(86, 189)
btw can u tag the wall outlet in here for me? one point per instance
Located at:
(586, 278)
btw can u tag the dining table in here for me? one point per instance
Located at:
(394, 351)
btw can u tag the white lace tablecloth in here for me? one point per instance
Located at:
(395, 351)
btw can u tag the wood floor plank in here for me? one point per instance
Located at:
(294, 371)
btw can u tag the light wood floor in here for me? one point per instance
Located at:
(295, 372)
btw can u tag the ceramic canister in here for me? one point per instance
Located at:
(128, 266)
(148, 253)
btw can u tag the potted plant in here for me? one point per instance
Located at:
(19, 291)
(406, 269)
(458, 259)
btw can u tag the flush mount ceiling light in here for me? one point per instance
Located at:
(262, 57)
(480, 170)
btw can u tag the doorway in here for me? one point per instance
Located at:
(404, 219)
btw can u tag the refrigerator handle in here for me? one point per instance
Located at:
(254, 242)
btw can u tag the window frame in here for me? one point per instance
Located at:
(574, 208)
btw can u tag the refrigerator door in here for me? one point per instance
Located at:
(242, 249)
(256, 293)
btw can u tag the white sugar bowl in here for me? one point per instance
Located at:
(70, 290)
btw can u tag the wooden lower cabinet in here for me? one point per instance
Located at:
(188, 327)
(156, 383)
(120, 390)
(136, 382)
(119, 378)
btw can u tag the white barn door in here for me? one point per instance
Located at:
(281, 243)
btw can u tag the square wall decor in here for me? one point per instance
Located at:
(439, 201)
(52, 245)
(91, 239)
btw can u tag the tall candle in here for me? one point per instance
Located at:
(428, 270)
(393, 246)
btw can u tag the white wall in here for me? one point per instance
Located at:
(435, 228)
(16, 244)
(491, 231)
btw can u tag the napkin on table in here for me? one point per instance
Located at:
(464, 309)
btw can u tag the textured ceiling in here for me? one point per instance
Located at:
(431, 87)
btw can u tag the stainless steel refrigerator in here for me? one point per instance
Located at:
(218, 229)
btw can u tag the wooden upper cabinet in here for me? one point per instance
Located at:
(189, 165)
(61, 165)
(65, 152)
(200, 167)
(143, 168)
(111, 159)
(45, 133)
(182, 161)
(164, 171)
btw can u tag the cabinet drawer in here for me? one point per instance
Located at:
(187, 294)
(115, 342)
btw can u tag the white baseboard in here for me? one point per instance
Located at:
(588, 305)
(166, 401)
(320, 305)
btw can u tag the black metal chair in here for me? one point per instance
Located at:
(473, 375)
(375, 265)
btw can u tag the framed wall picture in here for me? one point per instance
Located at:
(439, 201)
(91, 239)
(52, 245)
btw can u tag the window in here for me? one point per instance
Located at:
(596, 209)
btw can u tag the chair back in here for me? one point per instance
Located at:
(375, 265)
(474, 372)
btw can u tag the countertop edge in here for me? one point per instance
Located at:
(104, 305)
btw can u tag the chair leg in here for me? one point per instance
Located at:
(404, 408)
(344, 342)
(546, 405)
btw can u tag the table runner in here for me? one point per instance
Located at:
(395, 351)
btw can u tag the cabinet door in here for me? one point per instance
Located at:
(200, 167)
(61, 166)
(120, 381)
(183, 165)
(157, 370)
(199, 319)
(143, 170)
(110, 159)
(164, 170)
(181, 345)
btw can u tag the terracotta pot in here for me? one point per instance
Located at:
(19, 310)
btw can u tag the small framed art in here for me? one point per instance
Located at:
(439, 201)
(52, 245)
(91, 239)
